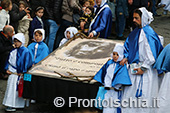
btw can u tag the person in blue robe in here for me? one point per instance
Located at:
(18, 63)
(142, 48)
(163, 60)
(38, 49)
(102, 21)
(113, 76)
(163, 63)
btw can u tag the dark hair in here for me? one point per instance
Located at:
(39, 8)
(22, 2)
(17, 40)
(5, 3)
(138, 12)
(38, 31)
(91, 8)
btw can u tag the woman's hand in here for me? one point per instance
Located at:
(8, 72)
(19, 74)
(139, 71)
(91, 35)
(124, 61)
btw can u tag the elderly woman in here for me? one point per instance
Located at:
(102, 21)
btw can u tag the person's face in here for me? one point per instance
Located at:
(38, 37)
(87, 11)
(10, 7)
(17, 43)
(137, 20)
(98, 2)
(68, 34)
(21, 7)
(86, 4)
(115, 56)
(40, 13)
(10, 34)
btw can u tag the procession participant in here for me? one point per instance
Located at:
(69, 33)
(163, 63)
(102, 21)
(114, 77)
(18, 62)
(38, 49)
(142, 48)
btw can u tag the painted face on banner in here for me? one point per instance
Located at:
(91, 50)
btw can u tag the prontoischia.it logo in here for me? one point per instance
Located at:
(130, 102)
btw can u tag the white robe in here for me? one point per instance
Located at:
(150, 79)
(11, 98)
(63, 41)
(164, 95)
(167, 3)
(110, 93)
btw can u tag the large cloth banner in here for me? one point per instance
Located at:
(81, 58)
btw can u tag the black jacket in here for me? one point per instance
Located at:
(15, 16)
(140, 3)
(5, 48)
(53, 10)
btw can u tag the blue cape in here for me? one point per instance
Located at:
(163, 60)
(103, 23)
(132, 47)
(23, 60)
(121, 75)
(42, 51)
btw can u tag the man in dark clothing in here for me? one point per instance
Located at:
(5, 46)
(16, 15)
(52, 17)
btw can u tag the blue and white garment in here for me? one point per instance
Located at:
(112, 74)
(18, 62)
(102, 21)
(72, 31)
(142, 45)
(163, 63)
(38, 50)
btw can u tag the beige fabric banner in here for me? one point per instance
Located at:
(82, 57)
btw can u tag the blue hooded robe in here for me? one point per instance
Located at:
(132, 44)
(121, 75)
(42, 50)
(163, 60)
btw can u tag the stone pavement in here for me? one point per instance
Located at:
(160, 25)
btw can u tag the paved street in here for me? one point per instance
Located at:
(160, 25)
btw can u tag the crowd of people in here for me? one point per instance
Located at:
(28, 35)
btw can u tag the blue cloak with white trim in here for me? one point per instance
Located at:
(42, 51)
(132, 44)
(163, 60)
(121, 75)
(103, 23)
(23, 60)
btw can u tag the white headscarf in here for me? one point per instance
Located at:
(43, 34)
(120, 50)
(103, 2)
(72, 31)
(147, 17)
(20, 37)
